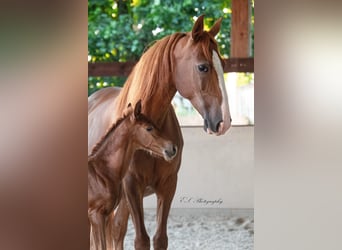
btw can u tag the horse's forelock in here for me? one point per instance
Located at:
(208, 44)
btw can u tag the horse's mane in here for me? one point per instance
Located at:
(151, 74)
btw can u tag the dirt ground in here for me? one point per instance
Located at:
(202, 229)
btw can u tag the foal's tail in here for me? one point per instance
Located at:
(109, 232)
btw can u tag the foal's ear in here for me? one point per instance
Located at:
(216, 27)
(197, 30)
(137, 109)
(128, 110)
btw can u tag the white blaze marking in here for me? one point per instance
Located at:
(224, 106)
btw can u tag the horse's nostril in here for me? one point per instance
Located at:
(218, 126)
(206, 123)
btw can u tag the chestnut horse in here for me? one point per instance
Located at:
(109, 161)
(185, 62)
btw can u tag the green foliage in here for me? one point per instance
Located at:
(120, 30)
(96, 83)
(244, 79)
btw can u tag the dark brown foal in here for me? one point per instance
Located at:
(108, 163)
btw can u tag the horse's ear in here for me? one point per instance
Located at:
(137, 109)
(197, 30)
(216, 27)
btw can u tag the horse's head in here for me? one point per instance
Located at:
(148, 137)
(199, 76)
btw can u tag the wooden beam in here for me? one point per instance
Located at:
(240, 33)
(239, 65)
(110, 68)
(124, 68)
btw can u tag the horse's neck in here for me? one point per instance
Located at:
(157, 106)
(151, 81)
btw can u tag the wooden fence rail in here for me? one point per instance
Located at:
(124, 68)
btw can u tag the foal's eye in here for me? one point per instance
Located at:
(149, 128)
(203, 68)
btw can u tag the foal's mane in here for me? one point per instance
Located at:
(99, 144)
(140, 118)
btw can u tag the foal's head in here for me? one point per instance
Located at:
(147, 137)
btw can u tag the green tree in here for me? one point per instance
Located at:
(120, 30)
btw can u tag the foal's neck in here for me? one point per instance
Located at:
(116, 150)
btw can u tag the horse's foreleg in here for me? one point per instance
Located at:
(109, 230)
(134, 196)
(90, 234)
(97, 221)
(119, 224)
(165, 193)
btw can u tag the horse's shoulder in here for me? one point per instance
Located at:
(100, 113)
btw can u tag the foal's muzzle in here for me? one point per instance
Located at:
(170, 153)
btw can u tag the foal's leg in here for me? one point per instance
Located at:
(116, 197)
(119, 224)
(98, 228)
(165, 193)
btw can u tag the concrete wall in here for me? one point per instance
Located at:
(216, 172)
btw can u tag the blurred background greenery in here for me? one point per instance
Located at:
(120, 30)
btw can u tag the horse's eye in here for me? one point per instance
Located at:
(149, 128)
(203, 68)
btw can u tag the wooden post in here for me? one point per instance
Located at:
(240, 34)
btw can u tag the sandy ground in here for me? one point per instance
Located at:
(202, 229)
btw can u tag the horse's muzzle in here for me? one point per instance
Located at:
(213, 126)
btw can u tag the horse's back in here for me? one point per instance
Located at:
(101, 96)
(101, 106)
